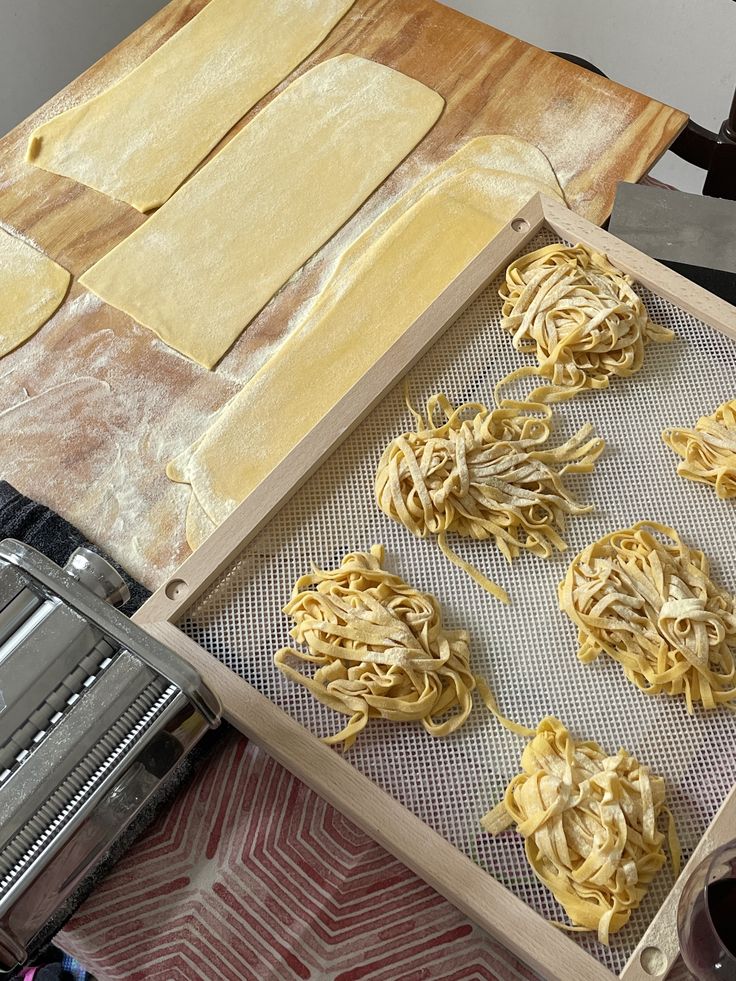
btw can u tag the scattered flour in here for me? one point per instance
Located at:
(98, 426)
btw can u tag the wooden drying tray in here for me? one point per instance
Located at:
(465, 884)
(112, 484)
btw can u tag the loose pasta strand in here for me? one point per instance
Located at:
(646, 598)
(581, 318)
(589, 823)
(708, 450)
(484, 474)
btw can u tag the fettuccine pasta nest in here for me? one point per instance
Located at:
(646, 598)
(579, 315)
(589, 823)
(709, 450)
(482, 474)
(380, 649)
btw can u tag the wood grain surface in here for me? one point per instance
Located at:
(93, 407)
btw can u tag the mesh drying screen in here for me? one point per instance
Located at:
(527, 651)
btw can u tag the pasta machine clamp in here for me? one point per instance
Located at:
(94, 716)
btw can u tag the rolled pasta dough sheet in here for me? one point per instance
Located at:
(31, 288)
(202, 266)
(139, 139)
(380, 285)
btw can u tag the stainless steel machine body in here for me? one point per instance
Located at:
(94, 715)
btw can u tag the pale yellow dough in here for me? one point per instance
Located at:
(202, 267)
(484, 474)
(380, 285)
(139, 139)
(380, 648)
(645, 598)
(708, 450)
(31, 288)
(589, 820)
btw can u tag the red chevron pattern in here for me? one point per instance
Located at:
(250, 875)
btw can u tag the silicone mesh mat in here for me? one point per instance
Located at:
(527, 651)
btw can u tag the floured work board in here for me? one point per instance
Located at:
(420, 797)
(113, 404)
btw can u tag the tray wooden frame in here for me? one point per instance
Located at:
(536, 941)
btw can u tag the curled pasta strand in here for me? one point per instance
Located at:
(380, 649)
(645, 598)
(589, 822)
(482, 473)
(708, 450)
(579, 315)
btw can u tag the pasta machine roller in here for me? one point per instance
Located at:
(94, 715)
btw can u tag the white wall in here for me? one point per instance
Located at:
(44, 44)
(682, 52)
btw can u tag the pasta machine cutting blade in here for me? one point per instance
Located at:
(94, 715)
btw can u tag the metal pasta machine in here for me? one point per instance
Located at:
(94, 716)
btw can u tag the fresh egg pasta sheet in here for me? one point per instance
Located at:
(32, 287)
(385, 279)
(199, 270)
(138, 140)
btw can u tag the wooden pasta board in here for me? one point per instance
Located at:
(474, 891)
(114, 404)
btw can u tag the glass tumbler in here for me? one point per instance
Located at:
(706, 917)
